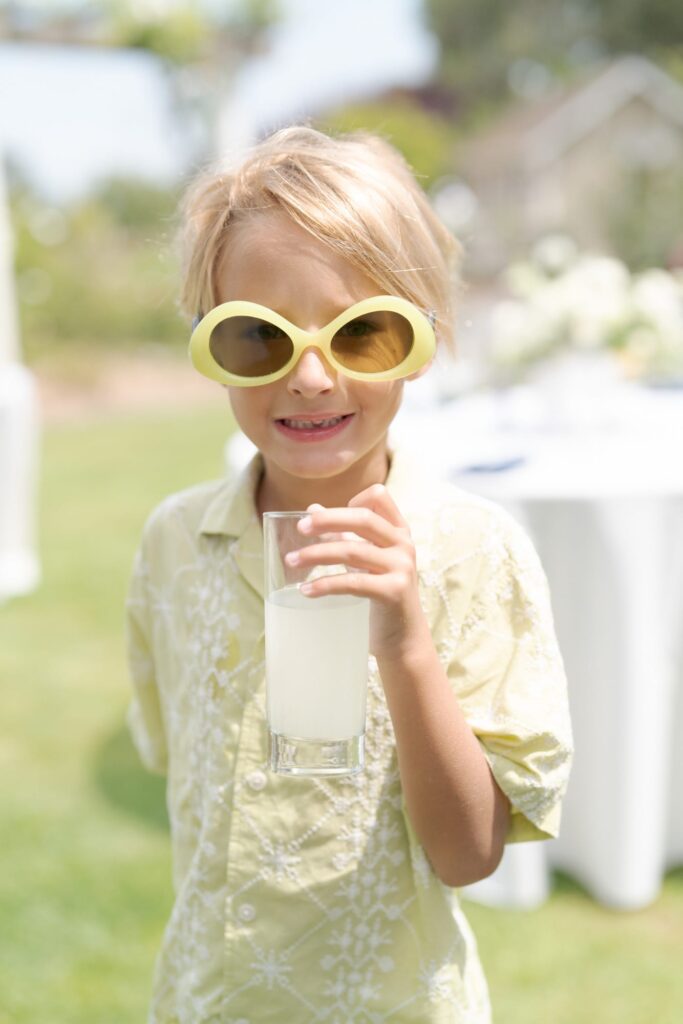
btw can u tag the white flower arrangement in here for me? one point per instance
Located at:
(564, 301)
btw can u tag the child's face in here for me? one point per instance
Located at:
(271, 260)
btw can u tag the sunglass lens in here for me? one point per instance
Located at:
(373, 343)
(249, 347)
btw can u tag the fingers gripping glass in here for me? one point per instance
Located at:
(245, 344)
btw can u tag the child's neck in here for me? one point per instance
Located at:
(280, 493)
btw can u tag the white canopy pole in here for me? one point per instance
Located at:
(9, 327)
(19, 435)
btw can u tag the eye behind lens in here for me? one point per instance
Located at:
(249, 347)
(374, 343)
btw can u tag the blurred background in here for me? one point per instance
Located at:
(549, 136)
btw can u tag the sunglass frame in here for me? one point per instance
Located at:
(421, 352)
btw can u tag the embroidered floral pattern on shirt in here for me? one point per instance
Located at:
(310, 900)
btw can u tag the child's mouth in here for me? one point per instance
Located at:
(313, 430)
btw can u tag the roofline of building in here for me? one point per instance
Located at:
(590, 106)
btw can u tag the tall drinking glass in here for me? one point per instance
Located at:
(316, 661)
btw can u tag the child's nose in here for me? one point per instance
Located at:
(312, 374)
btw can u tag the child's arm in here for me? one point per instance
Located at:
(459, 813)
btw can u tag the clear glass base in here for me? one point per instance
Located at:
(291, 755)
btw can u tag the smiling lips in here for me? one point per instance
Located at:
(307, 427)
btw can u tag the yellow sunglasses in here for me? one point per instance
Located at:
(379, 339)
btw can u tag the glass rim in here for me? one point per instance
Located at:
(284, 515)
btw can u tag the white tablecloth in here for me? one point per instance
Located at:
(19, 566)
(603, 503)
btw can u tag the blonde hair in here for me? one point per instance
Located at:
(353, 192)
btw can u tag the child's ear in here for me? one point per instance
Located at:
(423, 369)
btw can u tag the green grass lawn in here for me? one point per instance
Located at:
(84, 851)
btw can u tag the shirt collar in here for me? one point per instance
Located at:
(233, 508)
(232, 512)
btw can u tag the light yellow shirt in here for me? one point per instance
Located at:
(302, 900)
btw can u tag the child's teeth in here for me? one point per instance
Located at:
(309, 424)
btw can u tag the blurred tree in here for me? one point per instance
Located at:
(491, 46)
(176, 30)
(182, 32)
(482, 39)
(135, 205)
(178, 35)
(118, 239)
(644, 217)
(201, 46)
(119, 242)
(640, 25)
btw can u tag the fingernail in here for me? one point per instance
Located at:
(306, 524)
(292, 558)
(306, 588)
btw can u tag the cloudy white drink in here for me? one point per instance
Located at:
(316, 662)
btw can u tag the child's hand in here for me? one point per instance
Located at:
(385, 557)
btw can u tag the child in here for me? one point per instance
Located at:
(335, 899)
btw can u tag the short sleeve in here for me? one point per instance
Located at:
(145, 718)
(509, 678)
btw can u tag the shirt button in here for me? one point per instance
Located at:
(257, 781)
(246, 912)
